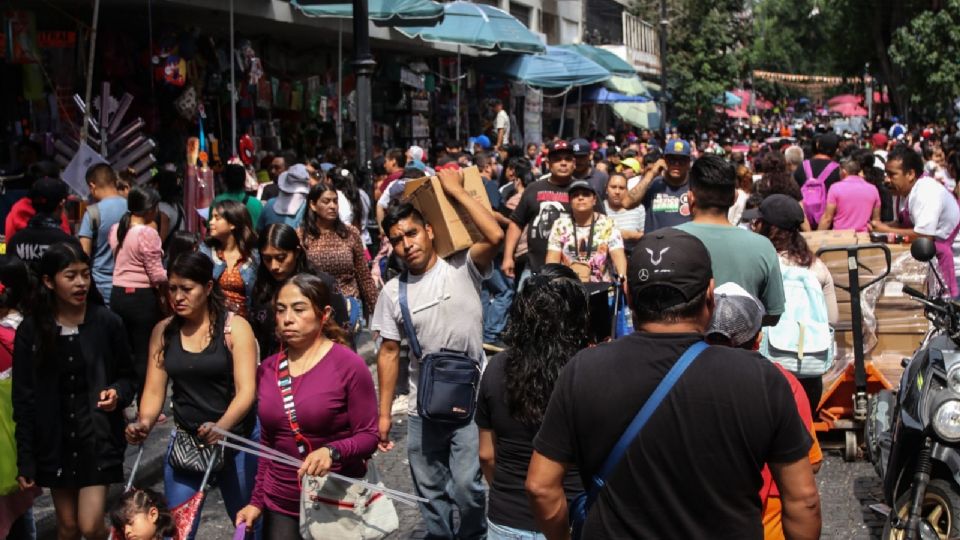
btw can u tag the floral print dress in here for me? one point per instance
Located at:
(573, 244)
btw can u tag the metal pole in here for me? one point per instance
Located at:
(364, 65)
(458, 94)
(93, 49)
(663, 64)
(340, 83)
(233, 88)
(576, 125)
(563, 112)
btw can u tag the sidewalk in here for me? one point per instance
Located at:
(393, 467)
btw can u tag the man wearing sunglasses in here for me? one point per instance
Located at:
(663, 189)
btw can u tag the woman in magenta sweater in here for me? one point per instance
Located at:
(333, 402)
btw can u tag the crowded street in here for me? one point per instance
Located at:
(479, 269)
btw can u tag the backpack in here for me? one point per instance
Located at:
(814, 191)
(802, 342)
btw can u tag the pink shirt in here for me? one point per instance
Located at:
(139, 263)
(855, 199)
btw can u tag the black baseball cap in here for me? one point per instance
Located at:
(781, 210)
(581, 147)
(668, 267)
(47, 193)
(560, 145)
(581, 184)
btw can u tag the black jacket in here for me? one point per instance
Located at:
(36, 395)
(41, 232)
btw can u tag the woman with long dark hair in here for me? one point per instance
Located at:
(210, 358)
(548, 325)
(353, 204)
(876, 176)
(138, 273)
(281, 258)
(327, 388)
(72, 378)
(335, 247)
(232, 246)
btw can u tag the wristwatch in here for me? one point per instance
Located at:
(334, 454)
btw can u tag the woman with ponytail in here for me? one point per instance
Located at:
(72, 378)
(138, 274)
(327, 388)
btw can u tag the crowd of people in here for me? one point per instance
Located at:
(252, 328)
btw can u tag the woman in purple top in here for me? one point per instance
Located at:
(334, 404)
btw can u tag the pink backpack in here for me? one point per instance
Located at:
(814, 191)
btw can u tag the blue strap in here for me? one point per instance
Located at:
(408, 319)
(645, 413)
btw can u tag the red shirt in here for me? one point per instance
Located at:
(20, 214)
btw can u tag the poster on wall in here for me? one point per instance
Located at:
(533, 116)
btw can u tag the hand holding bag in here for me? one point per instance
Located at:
(334, 510)
(190, 454)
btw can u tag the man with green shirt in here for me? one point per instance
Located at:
(738, 255)
(234, 176)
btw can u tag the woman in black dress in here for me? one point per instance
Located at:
(72, 378)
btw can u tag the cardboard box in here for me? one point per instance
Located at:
(453, 229)
(897, 343)
(901, 321)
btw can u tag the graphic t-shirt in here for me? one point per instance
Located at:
(665, 205)
(541, 204)
(572, 243)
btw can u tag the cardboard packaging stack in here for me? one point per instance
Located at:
(453, 229)
(894, 324)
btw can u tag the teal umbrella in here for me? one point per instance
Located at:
(611, 62)
(480, 26)
(382, 12)
(559, 68)
(730, 100)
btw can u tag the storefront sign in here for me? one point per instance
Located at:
(56, 39)
(410, 78)
(533, 116)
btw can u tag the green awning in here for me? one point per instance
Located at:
(631, 86)
(382, 12)
(609, 61)
(641, 115)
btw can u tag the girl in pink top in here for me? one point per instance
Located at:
(138, 273)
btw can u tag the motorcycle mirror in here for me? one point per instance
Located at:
(923, 249)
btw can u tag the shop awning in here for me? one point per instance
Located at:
(599, 94)
(641, 115)
(558, 68)
(480, 26)
(609, 61)
(382, 12)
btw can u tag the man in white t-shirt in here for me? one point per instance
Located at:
(444, 302)
(501, 125)
(925, 208)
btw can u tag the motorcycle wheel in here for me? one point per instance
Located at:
(940, 511)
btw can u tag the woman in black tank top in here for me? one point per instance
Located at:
(210, 359)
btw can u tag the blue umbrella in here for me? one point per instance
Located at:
(381, 12)
(611, 62)
(599, 94)
(730, 100)
(559, 68)
(480, 26)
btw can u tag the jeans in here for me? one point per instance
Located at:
(235, 481)
(446, 471)
(496, 295)
(524, 276)
(502, 532)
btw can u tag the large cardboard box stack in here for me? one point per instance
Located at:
(453, 229)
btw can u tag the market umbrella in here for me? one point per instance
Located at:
(480, 26)
(381, 12)
(558, 68)
(629, 86)
(611, 62)
(599, 94)
(737, 113)
(849, 109)
(641, 115)
(844, 98)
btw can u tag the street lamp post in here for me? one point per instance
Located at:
(663, 64)
(364, 66)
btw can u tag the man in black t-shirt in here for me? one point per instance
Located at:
(540, 205)
(824, 150)
(694, 470)
(43, 230)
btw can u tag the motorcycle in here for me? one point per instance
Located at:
(913, 435)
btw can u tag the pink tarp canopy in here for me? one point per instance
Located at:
(877, 98)
(845, 98)
(849, 109)
(737, 113)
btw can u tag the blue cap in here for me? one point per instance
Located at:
(483, 141)
(417, 164)
(677, 147)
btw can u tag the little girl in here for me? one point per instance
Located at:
(142, 514)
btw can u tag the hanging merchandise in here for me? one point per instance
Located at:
(264, 94)
(312, 96)
(123, 146)
(204, 173)
(187, 103)
(175, 70)
(283, 95)
(247, 150)
(296, 97)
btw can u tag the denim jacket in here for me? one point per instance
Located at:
(248, 270)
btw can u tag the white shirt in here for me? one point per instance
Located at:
(933, 209)
(503, 122)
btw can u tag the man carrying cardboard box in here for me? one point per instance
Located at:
(444, 303)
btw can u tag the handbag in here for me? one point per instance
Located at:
(190, 454)
(334, 510)
(448, 382)
(582, 503)
(331, 509)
